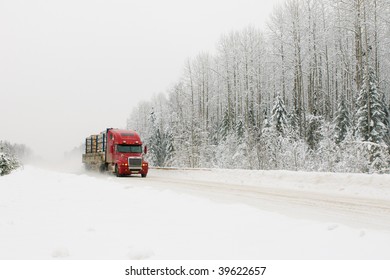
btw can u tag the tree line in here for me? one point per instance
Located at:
(310, 92)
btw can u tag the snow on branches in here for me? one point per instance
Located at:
(285, 98)
(8, 159)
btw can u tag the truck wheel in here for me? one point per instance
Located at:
(143, 175)
(117, 171)
(102, 168)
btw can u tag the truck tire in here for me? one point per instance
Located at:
(117, 171)
(143, 175)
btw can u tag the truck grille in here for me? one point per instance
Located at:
(135, 163)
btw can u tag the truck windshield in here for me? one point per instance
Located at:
(129, 148)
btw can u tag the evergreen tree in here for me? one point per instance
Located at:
(5, 164)
(8, 160)
(386, 110)
(266, 126)
(155, 141)
(169, 146)
(342, 122)
(251, 118)
(268, 146)
(293, 121)
(161, 142)
(313, 132)
(226, 125)
(240, 130)
(370, 116)
(279, 116)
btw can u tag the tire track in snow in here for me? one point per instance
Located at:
(355, 211)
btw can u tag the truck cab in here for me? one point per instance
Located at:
(124, 153)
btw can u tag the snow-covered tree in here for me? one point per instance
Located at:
(160, 142)
(314, 136)
(386, 110)
(269, 145)
(354, 155)
(8, 160)
(370, 115)
(7, 164)
(240, 130)
(341, 122)
(371, 119)
(279, 116)
(293, 121)
(226, 125)
(328, 153)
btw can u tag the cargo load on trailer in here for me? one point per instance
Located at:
(116, 150)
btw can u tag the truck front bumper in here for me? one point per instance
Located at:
(125, 170)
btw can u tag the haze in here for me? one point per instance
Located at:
(71, 68)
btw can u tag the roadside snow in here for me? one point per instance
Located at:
(53, 215)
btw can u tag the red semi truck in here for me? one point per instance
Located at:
(116, 150)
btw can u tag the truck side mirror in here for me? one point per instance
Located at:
(145, 149)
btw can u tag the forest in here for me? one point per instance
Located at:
(309, 92)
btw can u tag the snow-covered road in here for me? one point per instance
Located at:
(365, 203)
(194, 214)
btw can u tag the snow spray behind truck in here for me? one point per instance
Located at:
(116, 150)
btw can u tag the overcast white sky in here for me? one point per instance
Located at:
(71, 68)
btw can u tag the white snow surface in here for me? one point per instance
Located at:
(172, 214)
